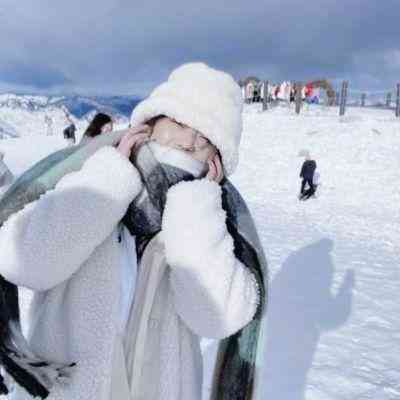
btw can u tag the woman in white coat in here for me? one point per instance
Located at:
(133, 329)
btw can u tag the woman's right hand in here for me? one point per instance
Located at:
(215, 170)
(132, 140)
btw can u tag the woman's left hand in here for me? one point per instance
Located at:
(215, 171)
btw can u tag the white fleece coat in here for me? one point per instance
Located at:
(64, 247)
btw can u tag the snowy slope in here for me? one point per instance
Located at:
(27, 122)
(333, 317)
(76, 105)
(7, 131)
(24, 115)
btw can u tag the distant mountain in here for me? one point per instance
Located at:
(23, 115)
(76, 105)
(116, 106)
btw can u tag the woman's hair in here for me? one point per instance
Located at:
(97, 124)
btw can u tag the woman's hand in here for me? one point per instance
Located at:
(132, 140)
(215, 171)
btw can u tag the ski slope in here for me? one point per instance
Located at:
(334, 311)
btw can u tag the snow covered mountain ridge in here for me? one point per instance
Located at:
(22, 115)
(76, 105)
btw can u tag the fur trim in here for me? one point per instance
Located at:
(205, 274)
(203, 98)
(80, 213)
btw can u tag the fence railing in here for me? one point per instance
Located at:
(384, 99)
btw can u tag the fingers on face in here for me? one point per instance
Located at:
(212, 170)
(140, 129)
(218, 165)
(137, 130)
(137, 139)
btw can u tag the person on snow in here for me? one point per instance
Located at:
(307, 174)
(69, 134)
(101, 123)
(130, 313)
(6, 176)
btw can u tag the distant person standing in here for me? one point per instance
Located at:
(307, 174)
(293, 92)
(6, 177)
(101, 123)
(69, 134)
(49, 124)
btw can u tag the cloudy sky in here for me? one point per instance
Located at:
(129, 46)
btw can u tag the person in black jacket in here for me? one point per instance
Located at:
(69, 134)
(307, 173)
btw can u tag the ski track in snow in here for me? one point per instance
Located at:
(333, 314)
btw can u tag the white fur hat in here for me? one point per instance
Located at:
(203, 98)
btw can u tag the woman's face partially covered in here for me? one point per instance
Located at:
(168, 132)
(107, 128)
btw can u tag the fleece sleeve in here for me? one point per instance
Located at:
(46, 242)
(215, 294)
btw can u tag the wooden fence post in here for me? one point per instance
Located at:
(343, 98)
(388, 100)
(265, 97)
(363, 97)
(299, 87)
(398, 101)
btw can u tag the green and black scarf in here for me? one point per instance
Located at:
(239, 356)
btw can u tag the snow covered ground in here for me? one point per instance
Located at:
(334, 312)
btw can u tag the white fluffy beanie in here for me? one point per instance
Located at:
(203, 98)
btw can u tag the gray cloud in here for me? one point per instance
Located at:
(41, 76)
(123, 46)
